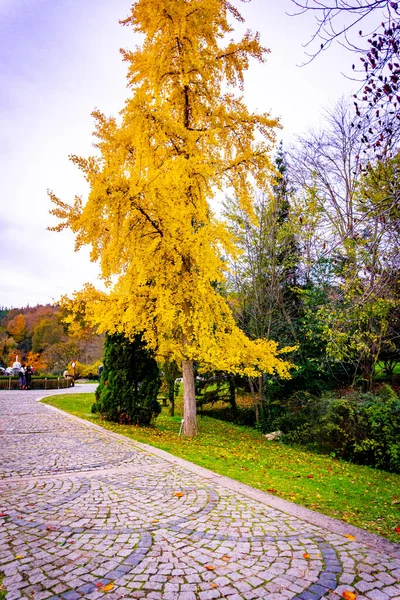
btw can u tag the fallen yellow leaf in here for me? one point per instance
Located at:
(178, 494)
(306, 555)
(109, 587)
(347, 595)
(210, 568)
(19, 556)
(155, 521)
(349, 536)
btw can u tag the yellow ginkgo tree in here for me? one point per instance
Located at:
(182, 136)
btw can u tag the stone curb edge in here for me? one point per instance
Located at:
(310, 516)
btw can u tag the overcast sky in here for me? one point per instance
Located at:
(58, 61)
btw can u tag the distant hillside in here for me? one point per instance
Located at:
(38, 335)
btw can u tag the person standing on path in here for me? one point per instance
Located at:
(21, 378)
(28, 377)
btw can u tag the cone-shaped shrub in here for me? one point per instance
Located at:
(130, 382)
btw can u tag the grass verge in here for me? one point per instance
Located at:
(3, 591)
(357, 495)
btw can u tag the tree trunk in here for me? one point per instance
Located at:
(366, 370)
(261, 385)
(232, 395)
(189, 400)
(171, 397)
(256, 399)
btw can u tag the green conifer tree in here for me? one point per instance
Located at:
(129, 383)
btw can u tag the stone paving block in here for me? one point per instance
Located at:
(392, 591)
(386, 578)
(346, 578)
(209, 594)
(42, 595)
(72, 595)
(377, 595)
(242, 586)
(308, 596)
(13, 595)
(59, 588)
(365, 586)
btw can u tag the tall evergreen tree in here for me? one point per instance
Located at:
(129, 382)
(265, 273)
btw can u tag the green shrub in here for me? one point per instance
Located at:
(129, 384)
(295, 412)
(380, 445)
(361, 428)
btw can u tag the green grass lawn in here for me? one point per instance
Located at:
(358, 495)
(380, 374)
(3, 591)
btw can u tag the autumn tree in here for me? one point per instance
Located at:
(355, 235)
(46, 332)
(36, 361)
(376, 43)
(7, 346)
(262, 275)
(181, 138)
(17, 328)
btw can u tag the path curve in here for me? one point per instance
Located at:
(85, 513)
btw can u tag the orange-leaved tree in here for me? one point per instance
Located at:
(181, 138)
(17, 328)
(36, 361)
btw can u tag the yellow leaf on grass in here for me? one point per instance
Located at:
(349, 536)
(347, 595)
(108, 587)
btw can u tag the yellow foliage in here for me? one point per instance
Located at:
(84, 371)
(181, 138)
(17, 327)
(36, 361)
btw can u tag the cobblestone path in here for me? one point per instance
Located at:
(87, 514)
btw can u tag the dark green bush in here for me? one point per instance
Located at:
(292, 413)
(129, 384)
(361, 428)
